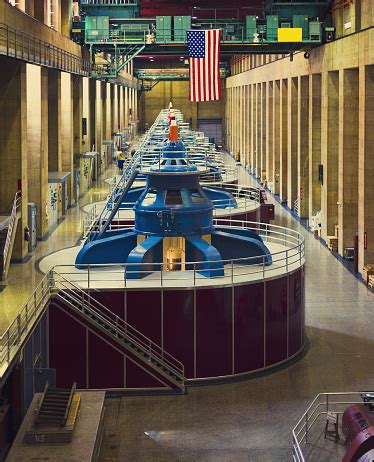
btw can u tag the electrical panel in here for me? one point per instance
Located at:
(181, 25)
(31, 219)
(251, 27)
(163, 29)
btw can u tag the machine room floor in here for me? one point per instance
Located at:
(253, 420)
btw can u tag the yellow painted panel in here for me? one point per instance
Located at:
(290, 34)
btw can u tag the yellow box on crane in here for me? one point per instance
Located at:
(290, 34)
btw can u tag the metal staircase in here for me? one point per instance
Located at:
(115, 199)
(122, 55)
(54, 407)
(137, 347)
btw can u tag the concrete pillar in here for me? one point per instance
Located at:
(276, 136)
(37, 142)
(108, 111)
(67, 132)
(126, 108)
(315, 83)
(258, 132)
(54, 121)
(292, 142)
(77, 114)
(13, 142)
(330, 152)
(348, 158)
(283, 141)
(263, 130)
(66, 17)
(253, 127)
(98, 117)
(92, 140)
(303, 146)
(241, 117)
(366, 166)
(86, 106)
(248, 123)
(269, 132)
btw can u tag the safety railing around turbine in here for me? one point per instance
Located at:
(286, 246)
(21, 45)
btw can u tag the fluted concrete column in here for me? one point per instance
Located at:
(303, 146)
(283, 142)
(315, 83)
(330, 152)
(67, 131)
(292, 142)
(13, 142)
(348, 155)
(269, 132)
(54, 121)
(276, 136)
(37, 142)
(366, 166)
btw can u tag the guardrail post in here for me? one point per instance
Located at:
(232, 271)
(287, 260)
(19, 329)
(8, 346)
(88, 276)
(263, 266)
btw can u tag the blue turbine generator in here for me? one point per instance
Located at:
(173, 226)
(173, 154)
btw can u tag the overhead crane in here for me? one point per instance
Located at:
(113, 29)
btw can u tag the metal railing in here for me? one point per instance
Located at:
(13, 218)
(305, 431)
(106, 212)
(288, 255)
(122, 328)
(21, 45)
(24, 321)
(245, 199)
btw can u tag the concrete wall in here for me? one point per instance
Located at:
(178, 92)
(287, 118)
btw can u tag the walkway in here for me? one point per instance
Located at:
(23, 278)
(252, 420)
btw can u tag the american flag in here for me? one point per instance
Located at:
(204, 52)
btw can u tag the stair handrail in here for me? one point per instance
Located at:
(101, 219)
(13, 216)
(23, 322)
(68, 405)
(76, 293)
(46, 386)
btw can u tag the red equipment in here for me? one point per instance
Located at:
(358, 429)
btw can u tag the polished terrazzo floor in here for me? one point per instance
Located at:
(252, 420)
